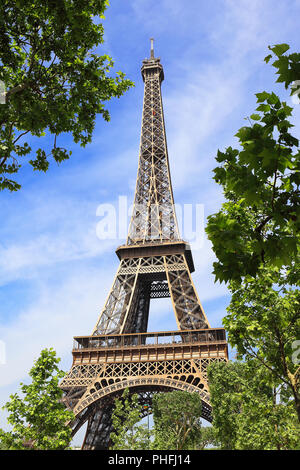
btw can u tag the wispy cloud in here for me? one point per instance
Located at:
(60, 311)
(58, 232)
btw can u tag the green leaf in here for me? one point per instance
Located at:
(267, 58)
(279, 49)
(264, 108)
(262, 96)
(255, 117)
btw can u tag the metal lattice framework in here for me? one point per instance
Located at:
(154, 263)
(153, 218)
(138, 279)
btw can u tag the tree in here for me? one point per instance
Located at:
(127, 433)
(207, 438)
(255, 235)
(263, 322)
(39, 418)
(55, 80)
(177, 423)
(260, 222)
(247, 412)
(176, 427)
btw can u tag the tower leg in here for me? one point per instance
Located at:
(97, 436)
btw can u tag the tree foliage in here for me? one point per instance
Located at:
(207, 439)
(263, 322)
(255, 237)
(177, 423)
(39, 418)
(247, 411)
(260, 221)
(127, 432)
(55, 80)
(287, 65)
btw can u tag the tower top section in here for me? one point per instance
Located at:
(152, 65)
(153, 218)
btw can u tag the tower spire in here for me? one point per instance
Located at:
(151, 48)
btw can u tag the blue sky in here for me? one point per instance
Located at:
(54, 272)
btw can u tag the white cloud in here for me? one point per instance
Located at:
(23, 260)
(61, 311)
(195, 114)
(208, 96)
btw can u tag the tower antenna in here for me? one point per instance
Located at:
(152, 48)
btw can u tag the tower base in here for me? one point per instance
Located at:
(145, 363)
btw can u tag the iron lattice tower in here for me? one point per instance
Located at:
(155, 262)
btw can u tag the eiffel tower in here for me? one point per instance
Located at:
(154, 263)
